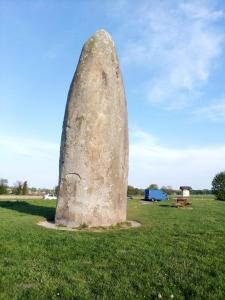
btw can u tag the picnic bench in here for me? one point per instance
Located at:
(181, 202)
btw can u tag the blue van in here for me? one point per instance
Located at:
(155, 195)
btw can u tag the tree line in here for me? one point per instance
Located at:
(19, 188)
(218, 188)
(132, 191)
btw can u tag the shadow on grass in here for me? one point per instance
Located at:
(166, 205)
(30, 209)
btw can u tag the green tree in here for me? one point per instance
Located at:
(18, 188)
(218, 186)
(56, 190)
(3, 186)
(167, 189)
(33, 189)
(132, 191)
(153, 186)
(25, 188)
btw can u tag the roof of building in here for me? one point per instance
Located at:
(183, 187)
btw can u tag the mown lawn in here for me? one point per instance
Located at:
(176, 254)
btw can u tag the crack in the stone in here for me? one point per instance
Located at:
(74, 173)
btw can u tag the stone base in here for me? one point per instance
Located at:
(120, 226)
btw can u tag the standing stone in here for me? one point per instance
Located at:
(93, 164)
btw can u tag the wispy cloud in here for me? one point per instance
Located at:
(214, 112)
(176, 43)
(29, 147)
(29, 159)
(152, 162)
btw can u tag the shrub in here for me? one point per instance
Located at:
(218, 186)
(3, 186)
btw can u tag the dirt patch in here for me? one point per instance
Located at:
(144, 202)
(20, 197)
(120, 226)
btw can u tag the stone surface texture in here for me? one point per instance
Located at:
(93, 163)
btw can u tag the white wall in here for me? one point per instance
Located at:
(185, 193)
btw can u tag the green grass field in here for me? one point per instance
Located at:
(176, 254)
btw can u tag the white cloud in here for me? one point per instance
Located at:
(177, 42)
(152, 162)
(29, 159)
(196, 11)
(29, 147)
(214, 112)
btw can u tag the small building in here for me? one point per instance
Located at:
(185, 190)
(155, 195)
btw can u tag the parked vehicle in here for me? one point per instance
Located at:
(50, 197)
(155, 195)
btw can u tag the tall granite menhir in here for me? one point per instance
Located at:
(93, 163)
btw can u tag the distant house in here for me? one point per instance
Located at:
(185, 190)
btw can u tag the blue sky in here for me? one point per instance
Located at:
(172, 56)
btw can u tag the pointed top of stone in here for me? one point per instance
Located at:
(100, 40)
(102, 33)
